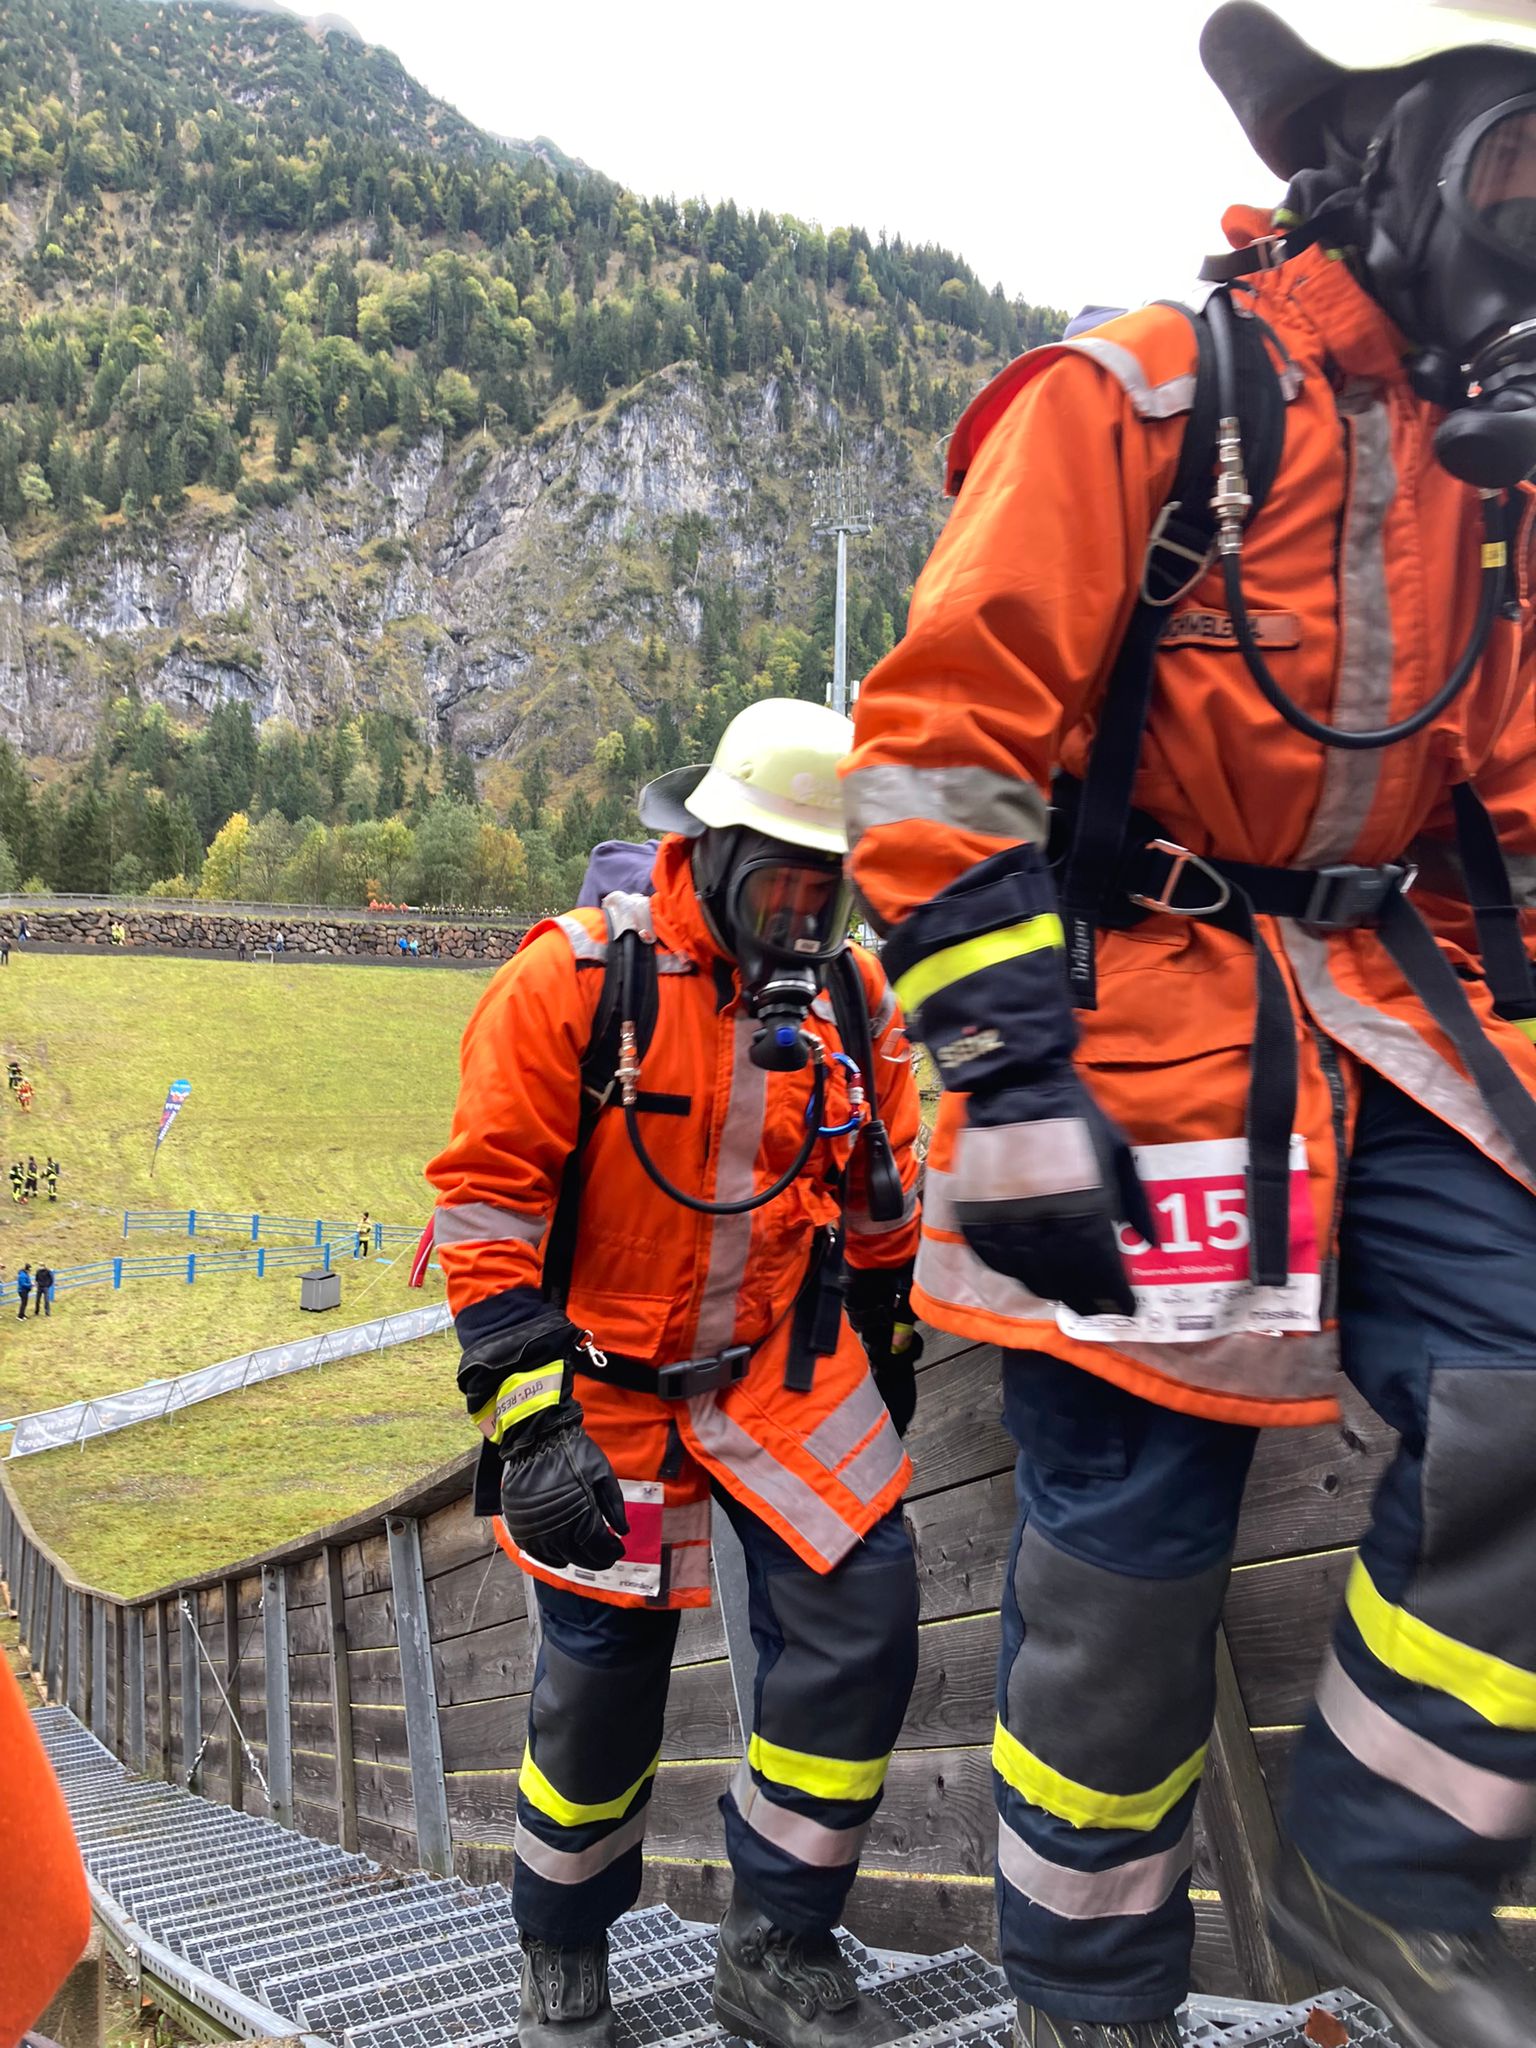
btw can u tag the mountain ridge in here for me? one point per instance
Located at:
(317, 399)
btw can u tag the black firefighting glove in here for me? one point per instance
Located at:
(880, 1310)
(559, 1497)
(1040, 1177)
(1040, 1173)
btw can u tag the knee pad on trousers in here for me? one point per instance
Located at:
(848, 1654)
(1107, 1686)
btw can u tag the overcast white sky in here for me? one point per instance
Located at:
(1072, 149)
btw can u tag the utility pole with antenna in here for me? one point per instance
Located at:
(842, 508)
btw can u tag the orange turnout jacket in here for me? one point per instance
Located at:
(653, 1281)
(1362, 571)
(47, 1906)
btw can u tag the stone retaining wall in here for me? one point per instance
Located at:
(211, 932)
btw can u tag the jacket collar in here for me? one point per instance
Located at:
(681, 926)
(1353, 332)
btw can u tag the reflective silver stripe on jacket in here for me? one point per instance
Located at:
(1297, 1366)
(807, 1840)
(1148, 400)
(730, 1243)
(1025, 1162)
(583, 944)
(761, 1474)
(576, 1866)
(1395, 1049)
(970, 799)
(485, 1223)
(1499, 1809)
(839, 1435)
(1439, 865)
(589, 951)
(868, 1475)
(1364, 695)
(626, 911)
(1139, 1887)
(884, 1012)
(862, 1224)
(685, 1536)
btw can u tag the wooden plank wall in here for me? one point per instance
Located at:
(926, 1882)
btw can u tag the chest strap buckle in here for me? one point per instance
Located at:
(1346, 898)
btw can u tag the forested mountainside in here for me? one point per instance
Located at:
(460, 474)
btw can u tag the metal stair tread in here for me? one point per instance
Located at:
(307, 1935)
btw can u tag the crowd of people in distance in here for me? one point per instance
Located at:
(26, 1178)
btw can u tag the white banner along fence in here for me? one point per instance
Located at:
(78, 1421)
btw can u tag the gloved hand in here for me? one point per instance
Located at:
(880, 1310)
(1040, 1178)
(559, 1497)
(980, 972)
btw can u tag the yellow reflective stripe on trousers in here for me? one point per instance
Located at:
(1499, 1692)
(524, 1394)
(571, 1813)
(822, 1777)
(1080, 1805)
(953, 963)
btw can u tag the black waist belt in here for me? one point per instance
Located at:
(672, 1382)
(1160, 876)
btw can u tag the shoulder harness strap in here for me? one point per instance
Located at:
(1180, 551)
(629, 976)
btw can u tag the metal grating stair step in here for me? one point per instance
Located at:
(272, 1932)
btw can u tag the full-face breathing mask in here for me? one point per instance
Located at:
(783, 914)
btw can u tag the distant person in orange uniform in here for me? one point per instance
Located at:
(651, 1305)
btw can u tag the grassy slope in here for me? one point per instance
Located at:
(314, 1091)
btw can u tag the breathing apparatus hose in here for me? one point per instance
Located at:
(1231, 503)
(748, 1203)
(629, 1077)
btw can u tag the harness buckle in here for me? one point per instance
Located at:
(1346, 898)
(704, 1375)
(1159, 545)
(1182, 858)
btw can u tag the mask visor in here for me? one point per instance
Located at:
(790, 911)
(1491, 181)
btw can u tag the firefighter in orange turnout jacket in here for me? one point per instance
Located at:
(1171, 1013)
(684, 1336)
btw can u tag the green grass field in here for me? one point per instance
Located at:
(315, 1091)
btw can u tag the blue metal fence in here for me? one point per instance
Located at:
(189, 1267)
(254, 1227)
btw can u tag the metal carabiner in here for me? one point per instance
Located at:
(855, 1100)
(1182, 858)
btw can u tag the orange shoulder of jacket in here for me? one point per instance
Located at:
(47, 1906)
(1159, 341)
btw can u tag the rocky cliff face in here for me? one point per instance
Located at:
(500, 595)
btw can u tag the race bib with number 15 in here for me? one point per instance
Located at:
(1194, 1284)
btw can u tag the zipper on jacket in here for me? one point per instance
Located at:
(1333, 1074)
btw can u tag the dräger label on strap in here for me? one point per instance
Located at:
(1214, 629)
(639, 1569)
(1194, 1285)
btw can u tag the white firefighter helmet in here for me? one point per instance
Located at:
(775, 771)
(1276, 69)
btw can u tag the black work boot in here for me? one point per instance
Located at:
(784, 1990)
(565, 1996)
(1438, 1990)
(1036, 2029)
